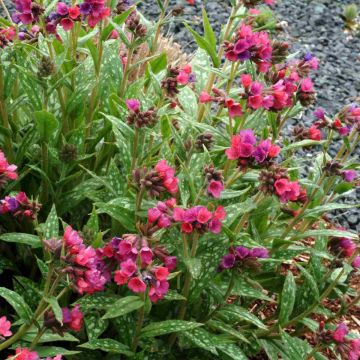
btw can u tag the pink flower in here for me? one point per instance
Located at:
(274, 151)
(74, 318)
(136, 285)
(128, 267)
(62, 9)
(5, 326)
(204, 215)
(340, 332)
(354, 353)
(205, 97)
(170, 262)
(66, 24)
(314, 133)
(182, 78)
(7, 171)
(307, 85)
(215, 188)
(186, 228)
(74, 12)
(220, 213)
(287, 190)
(146, 255)
(171, 185)
(246, 80)
(153, 214)
(235, 110)
(120, 277)
(133, 104)
(24, 354)
(356, 262)
(72, 238)
(215, 226)
(349, 175)
(161, 273)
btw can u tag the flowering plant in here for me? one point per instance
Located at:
(153, 206)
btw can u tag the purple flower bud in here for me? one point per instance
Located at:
(308, 57)
(319, 113)
(62, 8)
(85, 8)
(349, 175)
(242, 252)
(228, 261)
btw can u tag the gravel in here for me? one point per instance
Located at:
(313, 26)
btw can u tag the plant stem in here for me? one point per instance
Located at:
(125, 77)
(6, 11)
(140, 322)
(245, 217)
(37, 338)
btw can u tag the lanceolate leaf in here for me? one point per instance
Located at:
(52, 224)
(108, 345)
(287, 298)
(17, 302)
(202, 339)
(21, 238)
(123, 306)
(167, 327)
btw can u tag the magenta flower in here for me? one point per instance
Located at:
(136, 285)
(62, 9)
(170, 262)
(133, 104)
(349, 175)
(73, 319)
(215, 188)
(5, 326)
(228, 261)
(7, 171)
(340, 332)
(287, 190)
(205, 97)
(356, 262)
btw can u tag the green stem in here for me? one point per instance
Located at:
(139, 325)
(6, 11)
(37, 338)
(125, 77)
(259, 196)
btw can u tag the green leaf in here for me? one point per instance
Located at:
(17, 302)
(56, 308)
(208, 31)
(205, 45)
(201, 339)
(21, 238)
(292, 347)
(158, 63)
(51, 229)
(96, 301)
(226, 329)
(343, 187)
(95, 325)
(165, 127)
(107, 345)
(194, 266)
(167, 327)
(117, 20)
(326, 232)
(288, 297)
(173, 295)
(232, 351)
(124, 216)
(242, 288)
(241, 314)
(124, 306)
(45, 351)
(48, 336)
(326, 208)
(303, 143)
(46, 124)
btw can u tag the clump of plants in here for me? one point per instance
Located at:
(153, 207)
(350, 16)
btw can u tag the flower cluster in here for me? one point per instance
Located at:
(84, 264)
(161, 216)
(274, 98)
(6, 35)
(215, 181)
(200, 219)
(138, 266)
(94, 11)
(334, 168)
(344, 247)
(5, 326)
(71, 320)
(252, 3)
(19, 206)
(250, 45)
(186, 75)
(347, 348)
(245, 150)
(243, 258)
(140, 118)
(27, 11)
(64, 15)
(7, 171)
(27, 354)
(343, 122)
(177, 76)
(158, 180)
(234, 108)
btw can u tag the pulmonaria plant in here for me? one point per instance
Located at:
(200, 213)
